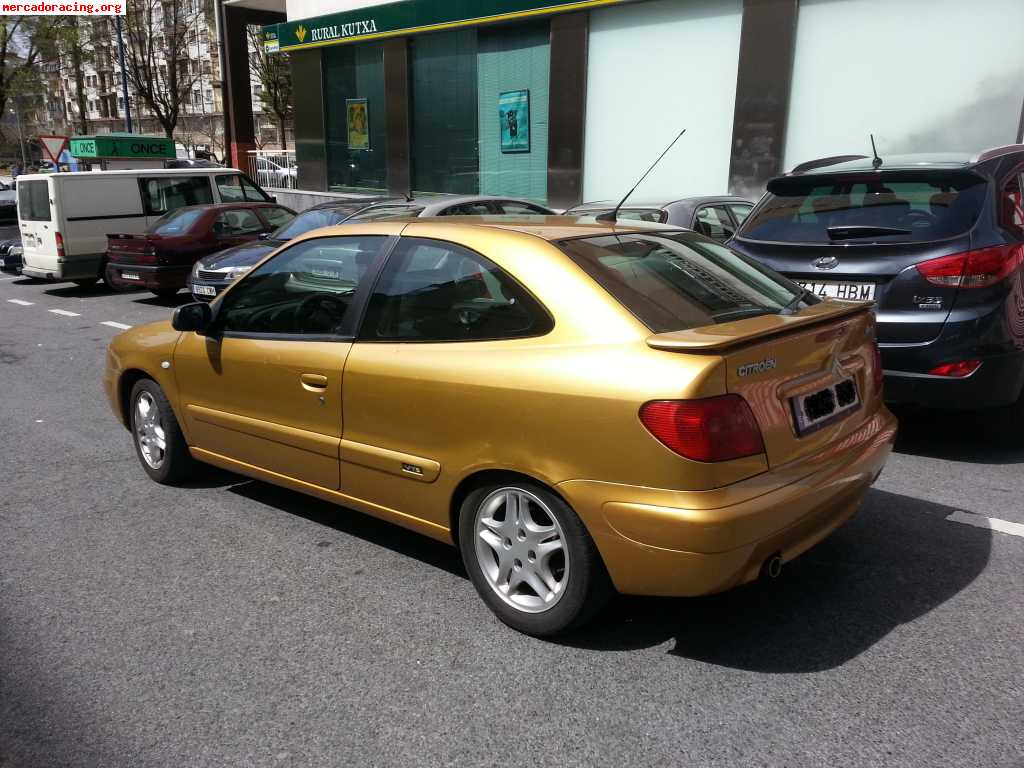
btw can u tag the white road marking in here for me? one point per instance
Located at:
(112, 324)
(20, 302)
(64, 312)
(992, 523)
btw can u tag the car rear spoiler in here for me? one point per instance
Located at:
(714, 339)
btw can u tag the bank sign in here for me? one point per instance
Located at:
(113, 146)
(409, 17)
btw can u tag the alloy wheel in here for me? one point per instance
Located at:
(521, 550)
(149, 430)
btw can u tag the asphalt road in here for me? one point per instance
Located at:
(231, 623)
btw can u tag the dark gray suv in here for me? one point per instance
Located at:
(936, 241)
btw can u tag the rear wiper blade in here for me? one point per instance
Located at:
(854, 231)
(790, 309)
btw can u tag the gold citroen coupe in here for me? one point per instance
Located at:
(578, 406)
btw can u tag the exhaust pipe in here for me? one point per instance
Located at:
(772, 567)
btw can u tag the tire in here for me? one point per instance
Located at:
(499, 554)
(172, 462)
(105, 277)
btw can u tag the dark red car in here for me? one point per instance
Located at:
(161, 259)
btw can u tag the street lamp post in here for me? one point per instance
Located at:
(124, 76)
(21, 141)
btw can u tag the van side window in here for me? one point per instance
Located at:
(33, 200)
(161, 195)
(238, 189)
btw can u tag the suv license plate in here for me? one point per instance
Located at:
(834, 290)
(204, 290)
(818, 409)
(130, 276)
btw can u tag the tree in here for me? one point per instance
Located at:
(274, 73)
(23, 41)
(156, 56)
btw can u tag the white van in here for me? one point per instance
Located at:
(65, 217)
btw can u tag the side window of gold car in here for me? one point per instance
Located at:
(431, 290)
(305, 290)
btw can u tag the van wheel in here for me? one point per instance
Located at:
(159, 443)
(85, 283)
(531, 558)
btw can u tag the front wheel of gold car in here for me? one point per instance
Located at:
(159, 443)
(531, 558)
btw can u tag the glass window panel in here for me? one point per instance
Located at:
(713, 221)
(303, 290)
(445, 155)
(436, 291)
(277, 217)
(237, 222)
(355, 72)
(163, 194)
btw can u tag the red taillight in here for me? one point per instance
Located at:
(148, 253)
(877, 377)
(711, 429)
(59, 239)
(956, 370)
(973, 269)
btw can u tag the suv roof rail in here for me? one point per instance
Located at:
(988, 154)
(822, 162)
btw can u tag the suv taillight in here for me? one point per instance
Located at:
(710, 429)
(59, 240)
(973, 269)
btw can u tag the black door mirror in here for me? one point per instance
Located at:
(192, 317)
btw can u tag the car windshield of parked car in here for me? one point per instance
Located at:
(892, 207)
(177, 222)
(672, 282)
(310, 220)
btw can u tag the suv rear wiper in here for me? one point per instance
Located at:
(854, 231)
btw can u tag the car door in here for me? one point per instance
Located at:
(420, 370)
(264, 386)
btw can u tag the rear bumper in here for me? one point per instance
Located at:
(677, 543)
(997, 382)
(73, 268)
(154, 277)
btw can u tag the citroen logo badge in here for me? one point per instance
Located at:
(826, 262)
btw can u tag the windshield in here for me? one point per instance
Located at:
(676, 281)
(911, 206)
(177, 222)
(310, 220)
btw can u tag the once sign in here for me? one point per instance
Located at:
(122, 146)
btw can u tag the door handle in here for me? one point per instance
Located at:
(313, 382)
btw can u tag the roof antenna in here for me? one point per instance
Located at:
(876, 163)
(612, 215)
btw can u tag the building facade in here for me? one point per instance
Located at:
(568, 101)
(201, 120)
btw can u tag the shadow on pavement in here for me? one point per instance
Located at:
(71, 291)
(897, 560)
(353, 523)
(176, 300)
(971, 436)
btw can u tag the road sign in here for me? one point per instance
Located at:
(122, 146)
(53, 146)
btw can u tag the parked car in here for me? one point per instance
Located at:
(8, 206)
(713, 216)
(162, 258)
(65, 217)
(574, 405)
(10, 255)
(214, 273)
(937, 241)
(451, 205)
(271, 173)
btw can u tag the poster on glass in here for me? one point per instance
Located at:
(514, 119)
(358, 124)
